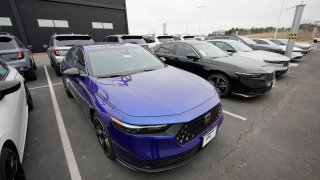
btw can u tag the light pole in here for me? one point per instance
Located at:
(200, 7)
(275, 34)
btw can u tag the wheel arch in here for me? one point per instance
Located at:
(10, 144)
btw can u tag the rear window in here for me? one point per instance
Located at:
(6, 43)
(73, 40)
(133, 39)
(164, 39)
(189, 38)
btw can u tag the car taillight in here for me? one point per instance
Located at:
(56, 52)
(20, 54)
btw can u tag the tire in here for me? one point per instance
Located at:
(31, 74)
(221, 83)
(66, 87)
(29, 99)
(103, 137)
(10, 165)
(315, 41)
(34, 64)
(57, 70)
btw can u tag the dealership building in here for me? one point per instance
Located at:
(34, 21)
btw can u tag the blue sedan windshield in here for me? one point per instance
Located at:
(122, 61)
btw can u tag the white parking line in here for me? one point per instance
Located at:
(234, 115)
(71, 161)
(44, 86)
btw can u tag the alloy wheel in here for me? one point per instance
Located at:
(101, 135)
(219, 83)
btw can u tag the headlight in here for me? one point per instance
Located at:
(133, 129)
(247, 75)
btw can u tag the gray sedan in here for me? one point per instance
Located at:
(236, 48)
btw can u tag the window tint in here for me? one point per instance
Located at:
(166, 48)
(241, 47)
(73, 40)
(247, 40)
(260, 41)
(133, 39)
(208, 50)
(69, 56)
(20, 44)
(224, 46)
(6, 43)
(3, 71)
(184, 50)
(110, 39)
(78, 60)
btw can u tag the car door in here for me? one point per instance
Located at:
(80, 85)
(167, 51)
(183, 62)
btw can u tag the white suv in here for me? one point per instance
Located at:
(315, 40)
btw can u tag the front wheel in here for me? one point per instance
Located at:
(10, 166)
(66, 87)
(103, 137)
(315, 41)
(221, 83)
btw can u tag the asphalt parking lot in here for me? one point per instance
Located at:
(275, 136)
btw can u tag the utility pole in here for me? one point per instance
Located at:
(275, 34)
(200, 19)
(294, 29)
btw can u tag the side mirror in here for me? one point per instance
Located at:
(192, 56)
(72, 72)
(8, 87)
(230, 51)
(162, 59)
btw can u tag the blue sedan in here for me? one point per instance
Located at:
(147, 115)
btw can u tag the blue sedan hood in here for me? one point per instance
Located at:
(163, 92)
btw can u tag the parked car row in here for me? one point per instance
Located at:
(137, 100)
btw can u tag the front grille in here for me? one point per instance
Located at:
(268, 77)
(190, 130)
(175, 160)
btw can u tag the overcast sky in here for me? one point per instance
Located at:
(146, 16)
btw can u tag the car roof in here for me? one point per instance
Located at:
(70, 35)
(5, 34)
(190, 42)
(224, 40)
(121, 35)
(106, 45)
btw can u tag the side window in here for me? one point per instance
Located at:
(166, 48)
(184, 50)
(149, 39)
(3, 71)
(224, 46)
(259, 41)
(68, 57)
(78, 60)
(20, 44)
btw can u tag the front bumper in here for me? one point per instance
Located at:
(296, 55)
(252, 87)
(154, 153)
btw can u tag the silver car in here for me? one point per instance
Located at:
(14, 53)
(61, 43)
(236, 48)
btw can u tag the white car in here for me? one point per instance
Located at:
(237, 48)
(306, 48)
(15, 102)
(296, 53)
(183, 38)
(155, 40)
(316, 40)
